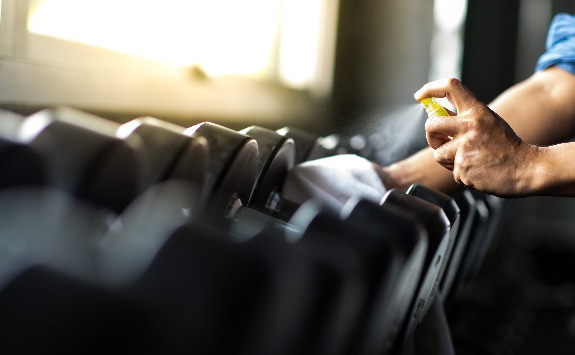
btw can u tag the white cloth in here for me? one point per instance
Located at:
(333, 181)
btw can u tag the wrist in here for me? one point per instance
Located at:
(390, 176)
(552, 171)
(532, 168)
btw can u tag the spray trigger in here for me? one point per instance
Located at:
(433, 108)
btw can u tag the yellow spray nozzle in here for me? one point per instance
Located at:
(433, 108)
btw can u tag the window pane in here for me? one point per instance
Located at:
(290, 41)
(221, 35)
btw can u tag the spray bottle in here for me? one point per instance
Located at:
(433, 108)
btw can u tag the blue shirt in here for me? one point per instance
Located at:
(560, 44)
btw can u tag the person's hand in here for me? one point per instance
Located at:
(388, 178)
(333, 181)
(477, 145)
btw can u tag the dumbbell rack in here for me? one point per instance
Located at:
(149, 236)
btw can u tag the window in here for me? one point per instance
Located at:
(447, 43)
(204, 50)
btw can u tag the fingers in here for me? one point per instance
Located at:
(436, 140)
(445, 154)
(441, 129)
(452, 89)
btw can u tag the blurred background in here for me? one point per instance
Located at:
(347, 67)
(323, 64)
(328, 66)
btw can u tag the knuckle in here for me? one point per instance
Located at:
(453, 82)
(442, 156)
(474, 125)
(463, 164)
(438, 155)
(468, 145)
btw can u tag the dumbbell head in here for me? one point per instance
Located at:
(51, 226)
(309, 146)
(129, 246)
(327, 236)
(84, 155)
(391, 266)
(205, 287)
(338, 297)
(276, 158)
(231, 171)
(167, 152)
(20, 165)
(488, 210)
(438, 198)
(390, 310)
(437, 225)
(304, 142)
(453, 214)
(451, 284)
(302, 311)
(46, 311)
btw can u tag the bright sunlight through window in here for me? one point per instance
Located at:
(270, 39)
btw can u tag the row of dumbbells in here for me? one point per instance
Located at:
(148, 236)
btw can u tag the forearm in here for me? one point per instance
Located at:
(541, 109)
(422, 169)
(553, 172)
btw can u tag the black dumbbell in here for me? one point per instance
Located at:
(128, 251)
(47, 224)
(453, 214)
(181, 197)
(314, 316)
(388, 307)
(310, 146)
(388, 261)
(261, 295)
(174, 167)
(277, 153)
(450, 282)
(357, 144)
(85, 156)
(231, 171)
(437, 224)
(332, 320)
(127, 248)
(167, 152)
(497, 209)
(488, 212)
(276, 156)
(250, 222)
(20, 165)
(201, 287)
(391, 246)
(47, 311)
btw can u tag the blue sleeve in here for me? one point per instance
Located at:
(560, 45)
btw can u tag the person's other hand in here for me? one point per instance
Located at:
(333, 181)
(477, 145)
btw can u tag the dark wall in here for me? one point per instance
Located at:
(490, 44)
(563, 6)
(503, 40)
(382, 55)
